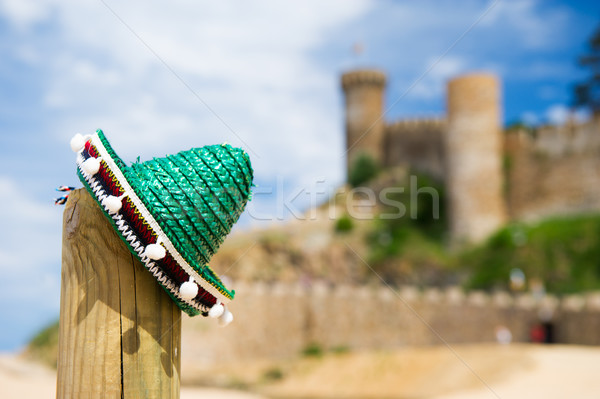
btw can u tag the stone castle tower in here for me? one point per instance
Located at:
(464, 150)
(473, 147)
(364, 91)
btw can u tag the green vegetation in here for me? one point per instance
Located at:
(407, 246)
(44, 345)
(273, 374)
(316, 350)
(520, 125)
(344, 224)
(313, 350)
(587, 92)
(407, 238)
(363, 169)
(564, 254)
(507, 164)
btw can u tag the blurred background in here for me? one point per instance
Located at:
(427, 175)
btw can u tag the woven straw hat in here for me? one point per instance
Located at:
(173, 213)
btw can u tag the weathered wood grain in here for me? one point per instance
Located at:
(120, 333)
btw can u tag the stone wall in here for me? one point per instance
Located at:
(279, 321)
(416, 143)
(555, 170)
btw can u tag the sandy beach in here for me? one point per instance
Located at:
(478, 372)
(554, 373)
(22, 379)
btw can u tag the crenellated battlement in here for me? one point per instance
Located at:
(416, 124)
(452, 295)
(557, 140)
(380, 317)
(363, 77)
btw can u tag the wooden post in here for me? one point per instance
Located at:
(120, 333)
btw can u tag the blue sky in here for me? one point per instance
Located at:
(269, 71)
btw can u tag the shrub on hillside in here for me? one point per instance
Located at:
(563, 254)
(44, 345)
(344, 224)
(363, 168)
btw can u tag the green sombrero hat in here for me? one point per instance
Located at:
(173, 213)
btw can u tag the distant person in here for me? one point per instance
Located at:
(546, 316)
(537, 334)
(503, 335)
(548, 332)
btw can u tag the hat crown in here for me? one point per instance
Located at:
(196, 196)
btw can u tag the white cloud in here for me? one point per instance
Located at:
(582, 115)
(30, 248)
(530, 118)
(23, 13)
(252, 65)
(30, 236)
(534, 26)
(557, 114)
(405, 37)
(433, 85)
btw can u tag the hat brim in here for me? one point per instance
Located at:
(138, 228)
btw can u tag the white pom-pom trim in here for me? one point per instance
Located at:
(226, 318)
(78, 142)
(155, 251)
(188, 290)
(91, 166)
(112, 203)
(216, 311)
